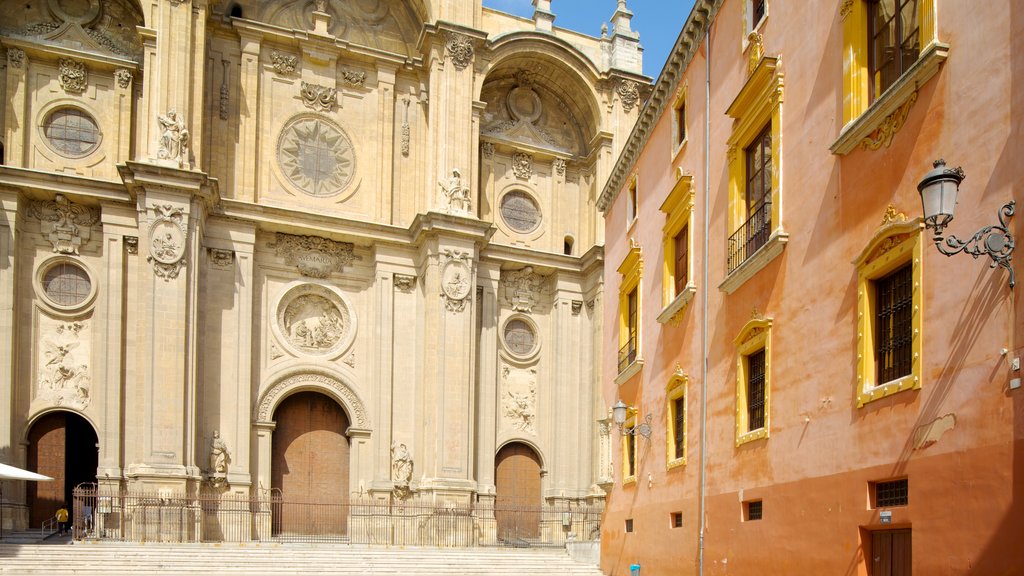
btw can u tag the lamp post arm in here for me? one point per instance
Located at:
(994, 241)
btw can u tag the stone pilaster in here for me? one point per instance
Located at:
(487, 377)
(8, 275)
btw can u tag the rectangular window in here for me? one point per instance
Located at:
(679, 413)
(893, 41)
(680, 123)
(629, 525)
(631, 202)
(755, 390)
(891, 493)
(627, 354)
(758, 11)
(753, 510)
(681, 243)
(631, 454)
(754, 233)
(894, 329)
(677, 519)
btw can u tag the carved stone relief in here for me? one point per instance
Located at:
(629, 94)
(220, 457)
(225, 90)
(524, 113)
(559, 165)
(522, 165)
(317, 97)
(488, 149)
(404, 282)
(389, 26)
(15, 57)
(406, 130)
(63, 371)
(459, 49)
(123, 76)
(313, 256)
(354, 77)
(577, 306)
(316, 156)
(283, 63)
(401, 470)
(174, 139)
(522, 288)
(519, 398)
(350, 360)
(66, 225)
(131, 244)
(167, 236)
(106, 26)
(456, 279)
(455, 195)
(221, 259)
(314, 320)
(352, 404)
(72, 75)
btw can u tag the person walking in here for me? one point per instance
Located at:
(62, 519)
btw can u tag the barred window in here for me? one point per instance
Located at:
(755, 390)
(892, 493)
(894, 331)
(681, 241)
(679, 414)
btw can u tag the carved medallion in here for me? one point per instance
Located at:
(72, 75)
(316, 156)
(456, 280)
(314, 256)
(522, 165)
(629, 94)
(65, 224)
(167, 242)
(314, 320)
(460, 50)
(63, 371)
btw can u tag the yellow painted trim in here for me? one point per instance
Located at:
(755, 335)
(632, 270)
(893, 245)
(626, 438)
(632, 206)
(678, 209)
(675, 389)
(679, 107)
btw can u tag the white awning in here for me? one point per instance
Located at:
(8, 472)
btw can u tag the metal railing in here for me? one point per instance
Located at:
(751, 236)
(49, 526)
(627, 354)
(270, 517)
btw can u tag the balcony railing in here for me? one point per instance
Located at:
(627, 354)
(752, 235)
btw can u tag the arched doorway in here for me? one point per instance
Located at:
(62, 445)
(517, 488)
(310, 465)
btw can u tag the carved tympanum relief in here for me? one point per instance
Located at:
(316, 156)
(65, 224)
(314, 320)
(521, 111)
(519, 398)
(103, 26)
(167, 235)
(522, 288)
(63, 369)
(380, 24)
(456, 279)
(313, 256)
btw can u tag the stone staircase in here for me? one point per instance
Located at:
(35, 536)
(111, 559)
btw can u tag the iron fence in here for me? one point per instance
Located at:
(120, 515)
(752, 235)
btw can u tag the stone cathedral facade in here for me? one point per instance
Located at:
(340, 249)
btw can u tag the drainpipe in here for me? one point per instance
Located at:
(704, 301)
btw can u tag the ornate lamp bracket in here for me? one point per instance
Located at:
(994, 241)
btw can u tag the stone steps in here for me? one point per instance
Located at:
(26, 537)
(111, 559)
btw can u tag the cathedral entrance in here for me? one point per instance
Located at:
(517, 488)
(63, 446)
(310, 465)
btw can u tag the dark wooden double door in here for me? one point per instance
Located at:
(890, 553)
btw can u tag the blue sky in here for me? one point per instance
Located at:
(657, 21)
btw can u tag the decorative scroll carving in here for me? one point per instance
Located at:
(522, 165)
(405, 283)
(131, 244)
(319, 98)
(225, 91)
(577, 306)
(401, 470)
(15, 57)
(314, 256)
(456, 194)
(167, 237)
(63, 370)
(889, 127)
(406, 130)
(522, 288)
(456, 279)
(123, 76)
(488, 149)
(519, 401)
(283, 63)
(72, 75)
(756, 52)
(340, 391)
(174, 139)
(459, 49)
(629, 94)
(221, 259)
(891, 215)
(353, 77)
(67, 225)
(559, 165)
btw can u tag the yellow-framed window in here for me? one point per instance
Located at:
(630, 312)
(753, 380)
(679, 131)
(630, 460)
(678, 285)
(889, 304)
(632, 200)
(675, 421)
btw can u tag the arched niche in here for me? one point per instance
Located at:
(325, 383)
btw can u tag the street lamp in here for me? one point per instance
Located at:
(619, 411)
(938, 190)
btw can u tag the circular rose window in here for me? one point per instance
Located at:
(520, 211)
(66, 284)
(71, 132)
(316, 156)
(519, 337)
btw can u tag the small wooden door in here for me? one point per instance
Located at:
(517, 487)
(890, 553)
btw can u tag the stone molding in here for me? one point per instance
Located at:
(316, 381)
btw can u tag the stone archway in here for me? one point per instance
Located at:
(62, 445)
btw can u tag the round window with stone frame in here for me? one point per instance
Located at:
(65, 284)
(520, 337)
(71, 132)
(519, 211)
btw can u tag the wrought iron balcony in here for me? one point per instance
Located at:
(627, 354)
(752, 235)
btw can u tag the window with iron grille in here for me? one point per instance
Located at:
(894, 331)
(754, 510)
(627, 354)
(893, 41)
(679, 415)
(681, 242)
(755, 231)
(755, 390)
(891, 493)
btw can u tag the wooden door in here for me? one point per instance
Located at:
(517, 487)
(890, 553)
(310, 465)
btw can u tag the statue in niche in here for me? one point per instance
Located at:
(401, 469)
(456, 195)
(220, 457)
(174, 139)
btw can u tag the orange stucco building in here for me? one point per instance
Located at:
(827, 392)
